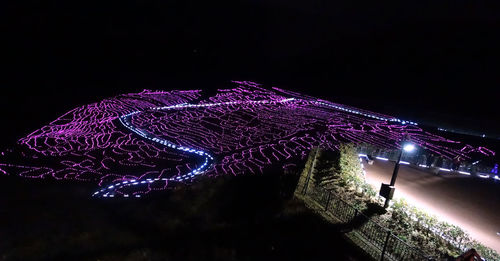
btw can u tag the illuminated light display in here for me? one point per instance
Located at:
(137, 143)
(495, 169)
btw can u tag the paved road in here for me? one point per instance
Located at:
(471, 203)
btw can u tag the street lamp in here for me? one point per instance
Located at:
(409, 147)
(387, 190)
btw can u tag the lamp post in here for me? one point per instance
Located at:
(387, 190)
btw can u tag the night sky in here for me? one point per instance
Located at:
(431, 63)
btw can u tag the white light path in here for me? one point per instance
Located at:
(207, 157)
(365, 114)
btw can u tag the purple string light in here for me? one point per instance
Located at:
(137, 143)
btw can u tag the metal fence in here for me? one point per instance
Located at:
(423, 158)
(375, 239)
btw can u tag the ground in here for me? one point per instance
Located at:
(248, 217)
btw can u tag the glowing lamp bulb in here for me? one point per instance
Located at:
(409, 147)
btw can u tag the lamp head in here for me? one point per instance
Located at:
(409, 147)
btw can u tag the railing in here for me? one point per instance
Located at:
(421, 158)
(378, 241)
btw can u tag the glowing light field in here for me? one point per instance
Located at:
(137, 143)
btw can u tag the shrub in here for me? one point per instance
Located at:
(348, 165)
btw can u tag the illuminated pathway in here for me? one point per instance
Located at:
(208, 159)
(125, 120)
(470, 203)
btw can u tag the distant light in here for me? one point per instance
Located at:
(443, 169)
(484, 176)
(405, 162)
(409, 147)
(463, 172)
(380, 158)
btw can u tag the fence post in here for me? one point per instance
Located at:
(304, 189)
(328, 200)
(385, 245)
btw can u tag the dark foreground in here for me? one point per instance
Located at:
(227, 218)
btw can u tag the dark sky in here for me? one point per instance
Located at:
(434, 63)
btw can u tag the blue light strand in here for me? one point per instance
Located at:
(208, 158)
(366, 114)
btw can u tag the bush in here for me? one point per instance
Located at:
(349, 168)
